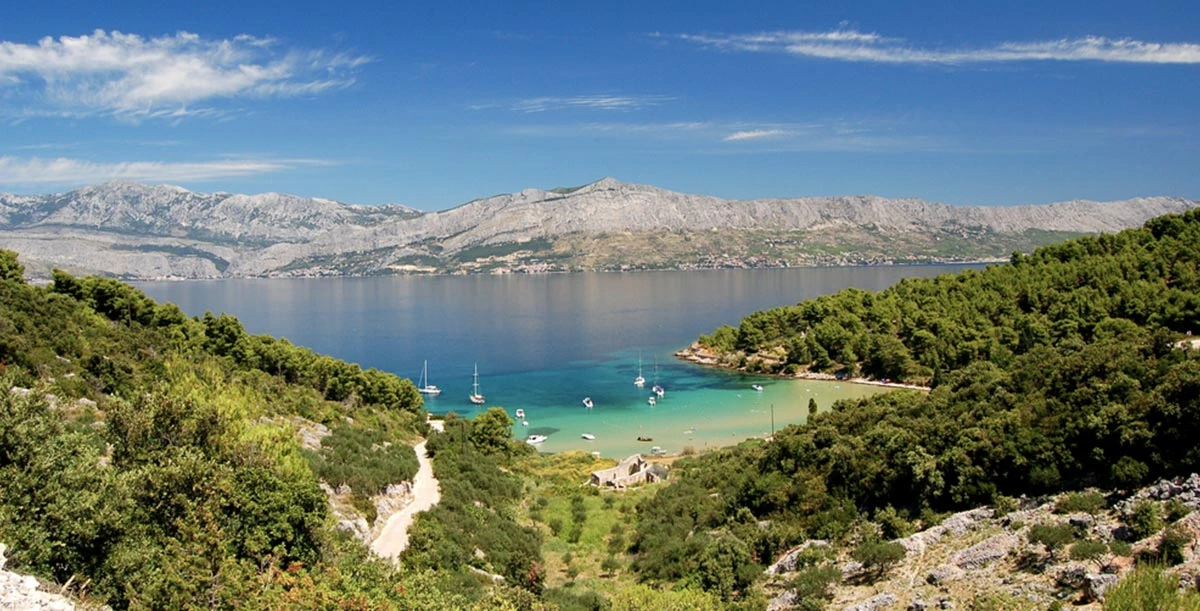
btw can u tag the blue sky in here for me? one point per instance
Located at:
(434, 104)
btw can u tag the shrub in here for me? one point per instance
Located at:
(813, 586)
(893, 524)
(1080, 502)
(556, 525)
(1149, 588)
(1175, 510)
(1144, 520)
(610, 564)
(1003, 505)
(1088, 550)
(1120, 548)
(878, 557)
(1170, 549)
(1053, 536)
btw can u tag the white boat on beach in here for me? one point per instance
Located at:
(426, 388)
(587, 402)
(475, 397)
(535, 439)
(588, 436)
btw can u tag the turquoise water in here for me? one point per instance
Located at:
(543, 343)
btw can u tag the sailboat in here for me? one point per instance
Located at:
(587, 402)
(426, 388)
(476, 398)
(658, 390)
(639, 381)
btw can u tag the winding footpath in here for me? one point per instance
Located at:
(393, 539)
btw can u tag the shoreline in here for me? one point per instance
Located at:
(698, 355)
(541, 273)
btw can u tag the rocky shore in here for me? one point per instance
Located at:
(703, 356)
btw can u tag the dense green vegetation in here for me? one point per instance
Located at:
(477, 505)
(1076, 293)
(151, 459)
(1054, 371)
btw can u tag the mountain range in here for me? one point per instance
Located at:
(133, 230)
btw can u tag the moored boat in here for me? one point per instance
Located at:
(425, 387)
(475, 397)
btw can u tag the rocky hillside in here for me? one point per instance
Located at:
(1065, 551)
(142, 231)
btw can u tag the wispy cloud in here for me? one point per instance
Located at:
(67, 171)
(743, 137)
(855, 46)
(133, 76)
(754, 134)
(579, 102)
(45, 146)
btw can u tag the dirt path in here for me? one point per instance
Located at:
(394, 537)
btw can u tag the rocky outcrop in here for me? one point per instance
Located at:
(23, 592)
(1096, 584)
(955, 525)
(986, 552)
(875, 603)
(146, 231)
(787, 562)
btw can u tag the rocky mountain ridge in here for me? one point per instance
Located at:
(150, 231)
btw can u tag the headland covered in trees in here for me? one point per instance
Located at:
(148, 455)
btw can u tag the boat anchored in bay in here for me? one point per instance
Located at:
(475, 397)
(426, 388)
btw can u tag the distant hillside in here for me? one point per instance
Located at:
(142, 231)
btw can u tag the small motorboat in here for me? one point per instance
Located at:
(520, 414)
(535, 439)
(757, 387)
(588, 436)
(587, 402)
(524, 423)
(651, 400)
(644, 438)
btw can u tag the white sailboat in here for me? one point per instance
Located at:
(658, 390)
(651, 400)
(426, 388)
(476, 398)
(639, 381)
(587, 402)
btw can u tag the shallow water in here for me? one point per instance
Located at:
(543, 343)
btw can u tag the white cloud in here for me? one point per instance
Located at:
(63, 171)
(127, 74)
(854, 46)
(831, 135)
(754, 134)
(589, 102)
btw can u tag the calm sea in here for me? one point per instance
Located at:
(543, 343)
